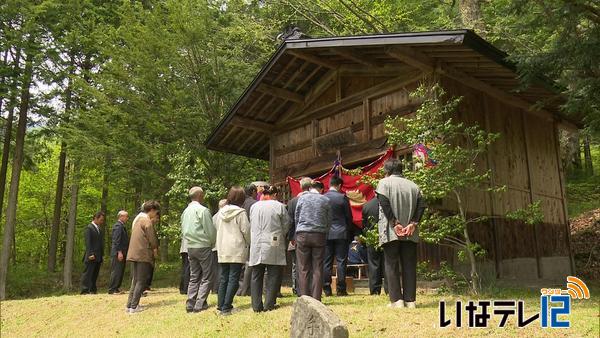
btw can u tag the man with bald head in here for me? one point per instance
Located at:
(200, 234)
(118, 252)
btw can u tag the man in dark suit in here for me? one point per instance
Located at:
(94, 252)
(118, 253)
(370, 215)
(338, 238)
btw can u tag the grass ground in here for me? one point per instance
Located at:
(366, 316)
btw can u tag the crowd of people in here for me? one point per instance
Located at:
(242, 249)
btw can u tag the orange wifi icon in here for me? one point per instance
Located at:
(577, 288)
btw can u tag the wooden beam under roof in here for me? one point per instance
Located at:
(312, 58)
(287, 83)
(383, 70)
(280, 92)
(412, 57)
(254, 125)
(355, 56)
(350, 101)
(317, 89)
(284, 71)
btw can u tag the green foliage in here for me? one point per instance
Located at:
(555, 40)
(532, 214)
(453, 282)
(371, 238)
(372, 179)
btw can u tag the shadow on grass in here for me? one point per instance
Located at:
(164, 303)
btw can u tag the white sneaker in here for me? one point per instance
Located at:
(410, 305)
(139, 308)
(397, 304)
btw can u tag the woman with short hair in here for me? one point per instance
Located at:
(269, 223)
(233, 241)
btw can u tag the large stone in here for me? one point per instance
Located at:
(310, 318)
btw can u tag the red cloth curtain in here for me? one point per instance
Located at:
(358, 192)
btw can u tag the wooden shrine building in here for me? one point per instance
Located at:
(316, 98)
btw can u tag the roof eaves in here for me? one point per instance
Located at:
(243, 97)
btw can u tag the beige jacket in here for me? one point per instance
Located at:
(233, 234)
(143, 240)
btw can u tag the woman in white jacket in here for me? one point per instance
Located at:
(269, 223)
(233, 241)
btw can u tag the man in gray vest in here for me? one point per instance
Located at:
(401, 209)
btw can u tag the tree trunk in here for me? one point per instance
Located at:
(72, 219)
(137, 200)
(587, 154)
(8, 132)
(13, 255)
(13, 194)
(104, 204)
(60, 183)
(164, 242)
(475, 278)
(3, 78)
(470, 15)
(574, 151)
(5, 155)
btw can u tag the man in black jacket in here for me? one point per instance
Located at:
(338, 238)
(94, 252)
(118, 252)
(370, 215)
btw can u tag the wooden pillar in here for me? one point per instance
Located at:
(531, 197)
(561, 179)
(272, 159)
(495, 226)
(338, 87)
(367, 119)
(315, 134)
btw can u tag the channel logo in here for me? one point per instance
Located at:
(555, 309)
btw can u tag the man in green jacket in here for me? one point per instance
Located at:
(198, 230)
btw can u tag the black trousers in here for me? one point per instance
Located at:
(271, 287)
(89, 277)
(117, 270)
(336, 249)
(246, 276)
(216, 273)
(375, 260)
(401, 253)
(185, 274)
(149, 278)
(294, 272)
(141, 273)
